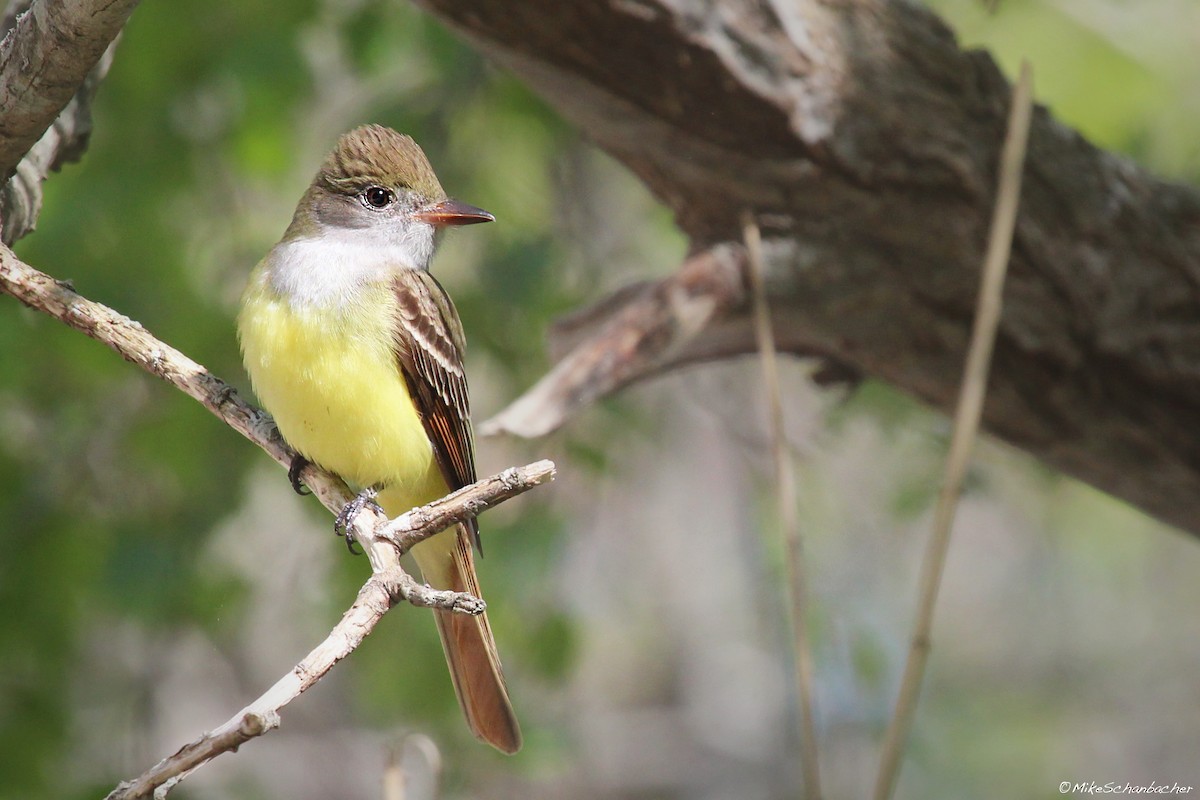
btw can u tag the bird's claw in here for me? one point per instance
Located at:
(345, 518)
(299, 462)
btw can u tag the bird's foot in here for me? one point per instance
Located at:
(299, 462)
(345, 519)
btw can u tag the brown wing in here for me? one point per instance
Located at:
(429, 347)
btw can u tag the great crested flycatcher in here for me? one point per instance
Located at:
(357, 352)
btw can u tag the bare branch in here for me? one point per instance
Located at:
(135, 344)
(63, 142)
(966, 427)
(375, 598)
(785, 496)
(410, 528)
(388, 585)
(44, 60)
(651, 329)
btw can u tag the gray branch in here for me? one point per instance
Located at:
(388, 585)
(52, 59)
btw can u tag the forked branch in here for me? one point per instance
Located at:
(388, 585)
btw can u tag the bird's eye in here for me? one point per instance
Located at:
(378, 197)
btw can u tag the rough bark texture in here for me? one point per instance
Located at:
(44, 58)
(36, 73)
(865, 142)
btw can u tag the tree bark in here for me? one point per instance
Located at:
(43, 61)
(53, 57)
(865, 143)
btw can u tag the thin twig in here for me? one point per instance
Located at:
(785, 492)
(966, 427)
(378, 595)
(388, 585)
(409, 528)
(653, 326)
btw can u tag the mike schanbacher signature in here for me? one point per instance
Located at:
(1116, 787)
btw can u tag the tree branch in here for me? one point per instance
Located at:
(409, 528)
(387, 586)
(865, 143)
(44, 59)
(135, 344)
(63, 142)
(796, 582)
(650, 331)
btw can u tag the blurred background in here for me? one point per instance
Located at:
(157, 572)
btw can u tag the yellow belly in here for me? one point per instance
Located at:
(330, 379)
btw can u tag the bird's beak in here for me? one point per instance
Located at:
(452, 212)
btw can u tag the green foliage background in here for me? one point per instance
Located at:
(206, 132)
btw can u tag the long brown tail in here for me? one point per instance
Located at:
(446, 562)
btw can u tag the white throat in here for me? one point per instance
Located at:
(331, 268)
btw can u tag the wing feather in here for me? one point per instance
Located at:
(429, 346)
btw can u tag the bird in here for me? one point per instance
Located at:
(356, 351)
